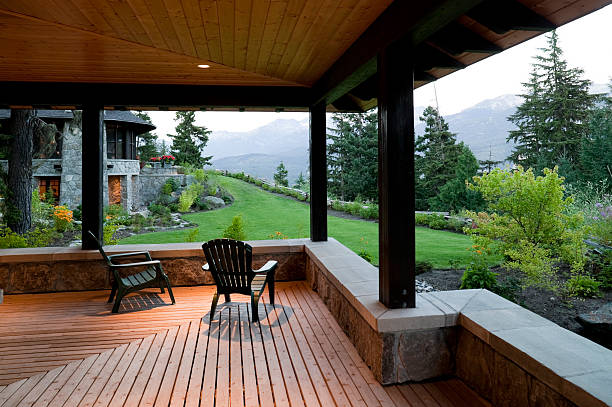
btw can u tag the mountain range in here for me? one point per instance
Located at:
(483, 127)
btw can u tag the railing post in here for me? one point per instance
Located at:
(396, 176)
(93, 173)
(318, 174)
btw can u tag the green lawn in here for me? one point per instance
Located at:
(264, 214)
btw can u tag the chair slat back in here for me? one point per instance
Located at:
(230, 263)
(100, 248)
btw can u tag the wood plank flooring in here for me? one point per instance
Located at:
(67, 349)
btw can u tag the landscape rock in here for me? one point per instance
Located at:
(213, 202)
(598, 321)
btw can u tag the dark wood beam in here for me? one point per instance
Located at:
(93, 173)
(416, 19)
(428, 57)
(318, 174)
(420, 76)
(396, 176)
(457, 39)
(502, 16)
(159, 96)
(348, 104)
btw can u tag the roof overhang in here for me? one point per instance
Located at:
(262, 55)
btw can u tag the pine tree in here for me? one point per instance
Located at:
(147, 146)
(454, 195)
(352, 156)
(189, 141)
(300, 182)
(280, 176)
(488, 165)
(436, 154)
(553, 119)
(596, 153)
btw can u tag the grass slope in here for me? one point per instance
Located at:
(264, 214)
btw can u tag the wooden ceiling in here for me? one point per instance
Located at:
(264, 44)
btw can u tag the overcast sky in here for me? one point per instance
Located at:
(586, 43)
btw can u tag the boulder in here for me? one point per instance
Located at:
(598, 321)
(213, 202)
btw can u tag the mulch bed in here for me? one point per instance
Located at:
(546, 303)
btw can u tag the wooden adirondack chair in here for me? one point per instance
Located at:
(229, 262)
(152, 276)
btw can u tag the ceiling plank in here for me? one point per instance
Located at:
(210, 18)
(259, 13)
(417, 19)
(502, 16)
(146, 95)
(226, 30)
(242, 26)
(196, 27)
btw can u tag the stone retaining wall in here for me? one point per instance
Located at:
(36, 270)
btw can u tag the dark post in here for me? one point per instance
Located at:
(318, 174)
(93, 182)
(396, 175)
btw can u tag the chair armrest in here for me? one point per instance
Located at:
(206, 267)
(146, 254)
(269, 266)
(142, 263)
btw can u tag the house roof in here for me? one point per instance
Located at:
(260, 54)
(140, 125)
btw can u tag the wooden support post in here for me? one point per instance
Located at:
(318, 174)
(396, 175)
(93, 182)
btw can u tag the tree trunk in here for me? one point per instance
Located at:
(21, 127)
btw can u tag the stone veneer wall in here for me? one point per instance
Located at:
(149, 186)
(499, 379)
(71, 187)
(393, 357)
(32, 271)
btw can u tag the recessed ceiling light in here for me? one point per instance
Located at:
(203, 66)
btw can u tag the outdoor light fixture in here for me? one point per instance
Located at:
(203, 66)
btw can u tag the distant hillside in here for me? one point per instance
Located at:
(264, 165)
(482, 127)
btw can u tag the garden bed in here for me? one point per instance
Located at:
(553, 306)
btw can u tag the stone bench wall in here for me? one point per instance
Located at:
(42, 270)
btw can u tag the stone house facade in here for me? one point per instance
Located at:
(59, 167)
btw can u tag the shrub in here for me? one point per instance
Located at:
(530, 220)
(166, 189)
(38, 237)
(62, 218)
(601, 267)
(601, 228)
(200, 176)
(159, 210)
(369, 212)
(422, 267)
(477, 274)
(192, 235)
(77, 213)
(173, 207)
(185, 201)
(436, 221)
(110, 228)
(236, 229)
(421, 219)
(455, 224)
(581, 285)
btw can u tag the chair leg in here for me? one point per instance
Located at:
(213, 306)
(254, 307)
(169, 290)
(120, 295)
(271, 290)
(112, 294)
(227, 298)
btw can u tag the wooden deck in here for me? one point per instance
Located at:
(67, 349)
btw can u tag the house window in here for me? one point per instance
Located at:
(49, 187)
(120, 142)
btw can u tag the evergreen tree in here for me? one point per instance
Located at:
(553, 119)
(436, 154)
(280, 176)
(352, 156)
(596, 153)
(454, 195)
(300, 182)
(147, 146)
(488, 165)
(189, 141)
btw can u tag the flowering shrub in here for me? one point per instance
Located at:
(167, 158)
(477, 274)
(278, 236)
(62, 218)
